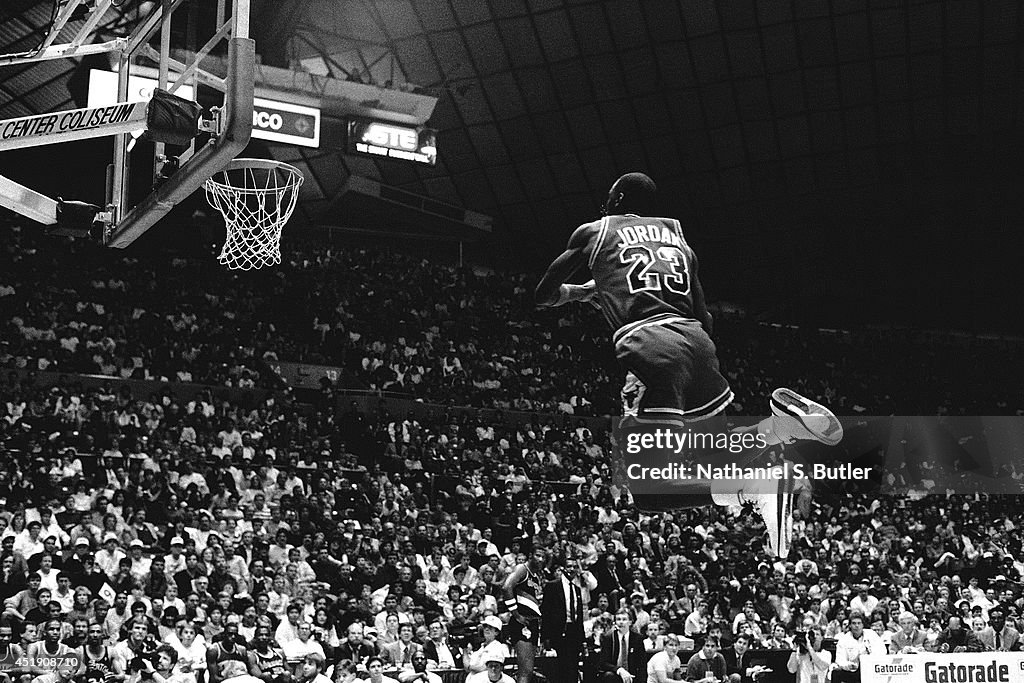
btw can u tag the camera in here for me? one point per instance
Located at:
(800, 640)
(138, 662)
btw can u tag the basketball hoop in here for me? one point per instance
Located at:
(256, 198)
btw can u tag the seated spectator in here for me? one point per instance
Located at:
(708, 663)
(375, 667)
(418, 672)
(475, 660)
(303, 644)
(311, 669)
(664, 665)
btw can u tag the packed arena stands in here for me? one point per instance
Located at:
(136, 513)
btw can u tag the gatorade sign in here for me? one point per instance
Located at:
(292, 124)
(944, 667)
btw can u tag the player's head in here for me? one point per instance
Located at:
(631, 193)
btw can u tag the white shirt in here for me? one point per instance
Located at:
(661, 662)
(849, 649)
(295, 650)
(431, 676)
(806, 668)
(445, 657)
(496, 649)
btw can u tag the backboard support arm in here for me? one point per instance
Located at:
(229, 139)
(214, 156)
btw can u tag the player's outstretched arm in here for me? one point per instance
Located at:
(552, 290)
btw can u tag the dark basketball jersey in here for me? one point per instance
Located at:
(528, 595)
(96, 668)
(642, 267)
(270, 662)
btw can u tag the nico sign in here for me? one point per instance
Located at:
(393, 140)
(292, 124)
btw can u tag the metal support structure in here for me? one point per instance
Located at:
(72, 124)
(27, 202)
(190, 177)
(231, 129)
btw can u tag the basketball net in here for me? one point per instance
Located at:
(256, 198)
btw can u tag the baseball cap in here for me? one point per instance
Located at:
(110, 536)
(83, 541)
(136, 543)
(493, 622)
(177, 540)
(494, 658)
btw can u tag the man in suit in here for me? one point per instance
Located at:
(354, 648)
(997, 636)
(440, 652)
(561, 626)
(399, 654)
(738, 666)
(622, 652)
(909, 639)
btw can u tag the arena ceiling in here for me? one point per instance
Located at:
(785, 134)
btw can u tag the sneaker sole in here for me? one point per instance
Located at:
(788, 403)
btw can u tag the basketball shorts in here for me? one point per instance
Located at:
(528, 632)
(672, 371)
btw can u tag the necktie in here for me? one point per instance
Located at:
(999, 641)
(622, 652)
(572, 603)
(405, 654)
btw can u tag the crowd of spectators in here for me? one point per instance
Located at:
(473, 340)
(255, 536)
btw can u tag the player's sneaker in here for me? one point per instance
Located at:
(801, 418)
(776, 508)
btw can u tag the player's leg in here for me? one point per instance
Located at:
(673, 380)
(526, 653)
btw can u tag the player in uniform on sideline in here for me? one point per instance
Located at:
(222, 656)
(96, 656)
(645, 283)
(522, 589)
(12, 656)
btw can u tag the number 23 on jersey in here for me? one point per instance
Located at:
(656, 268)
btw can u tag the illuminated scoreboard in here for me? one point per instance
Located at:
(392, 140)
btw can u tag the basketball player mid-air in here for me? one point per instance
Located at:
(645, 282)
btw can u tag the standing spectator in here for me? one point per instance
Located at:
(809, 662)
(562, 620)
